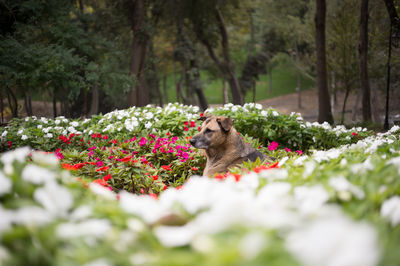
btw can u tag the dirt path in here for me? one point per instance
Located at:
(309, 103)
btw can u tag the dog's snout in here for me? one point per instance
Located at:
(192, 141)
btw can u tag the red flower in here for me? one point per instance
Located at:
(185, 128)
(186, 123)
(67, 166)
(126, 159)
(192, 124)
(354, 134)
(199, 128)
(100, 182)
(155, 177)
(179, 187)
(9, 144)
(104, 168)
(154, 196)
(194, 169)
(107, 177)
(201, 115)
(166, 167)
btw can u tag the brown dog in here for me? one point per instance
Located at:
(223, 145)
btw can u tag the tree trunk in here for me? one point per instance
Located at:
(375, 105)
(355, 107)
(224, 93)
(1, 106)
(54, 104)
(298, 78)
(324, 104)
(346, 96)
(237, 97)
(197, 84)
(28, 102)
(363, 62)
(226, 67)
(94, 106)
(139, 94)
(165, 88)
(12, 102)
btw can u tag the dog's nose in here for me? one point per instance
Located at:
(192, 141)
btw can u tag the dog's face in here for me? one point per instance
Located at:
(213, 132)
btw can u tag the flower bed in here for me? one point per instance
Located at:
(339, 206)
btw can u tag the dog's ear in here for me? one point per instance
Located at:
(225, 123)
(203, 117)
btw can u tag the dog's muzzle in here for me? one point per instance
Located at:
(197, 143)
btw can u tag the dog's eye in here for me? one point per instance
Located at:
(209, 130)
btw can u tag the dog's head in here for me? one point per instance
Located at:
(213, 132)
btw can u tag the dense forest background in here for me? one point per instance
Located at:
(91, 56)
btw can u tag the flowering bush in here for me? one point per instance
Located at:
(335, 207)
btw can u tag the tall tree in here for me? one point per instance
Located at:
(209, 24)
(324, 105)
(363, 62)
(139, 94)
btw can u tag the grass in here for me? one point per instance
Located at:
(284, 81)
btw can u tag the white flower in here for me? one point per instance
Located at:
(19, 155)
(396, 162)
(334, 241)
(74, 124)
(39, 126)
(341, 184)
(57, 122)
(310, 199)
(145, 207)
(71, 129)
(175, 236)
(251, 245)
(81, 213)
(309, 167)
(4, 255)
(274, 174)
(275, 113)
(37, 175)
(203, 244)
(48, 135)
(54, 198)
(148, 125)
(264, 113)
(24, 137)
(98, 262)
(4, 133)
(5, 184)
(149, 115)
(283, 161)
(299, 161)
(102, 191)
(20, 131)
(391, 210)
(91, 227)
(6, 220)
(44, 158)
(32, 215)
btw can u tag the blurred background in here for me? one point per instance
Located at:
(331, 60)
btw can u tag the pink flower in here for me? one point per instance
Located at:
(142, 141)
(273, 146)
(300, 152)
(287, 150)
(99, 163)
